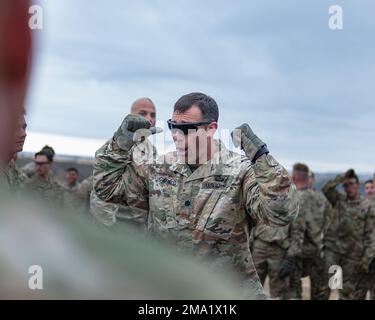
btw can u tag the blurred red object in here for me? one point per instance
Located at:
(15, 62)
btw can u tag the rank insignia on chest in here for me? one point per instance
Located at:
(167, 181)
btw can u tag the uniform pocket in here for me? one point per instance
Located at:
(220, 215)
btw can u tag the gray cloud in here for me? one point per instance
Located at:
(307, 90)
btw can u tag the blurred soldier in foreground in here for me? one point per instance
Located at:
(315, 209)
(16, 177)
(111, 213)
(346, 239)
(369, 189)
(44, 247)
(202, 196)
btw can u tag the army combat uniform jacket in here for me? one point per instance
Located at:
(206, 211)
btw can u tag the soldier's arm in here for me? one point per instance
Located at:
(329, 189)
(269, 194)
(117, 179)
(297, 230)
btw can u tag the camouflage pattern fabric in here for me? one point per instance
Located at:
(206, 212)
(317, 215)
(16, 178)
(346, 240)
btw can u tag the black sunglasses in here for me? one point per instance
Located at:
(185, 127)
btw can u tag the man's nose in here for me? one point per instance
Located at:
(177, 135)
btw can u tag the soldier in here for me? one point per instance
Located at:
(202, 196)
(145, 108)
(366, 272)
(345, 236)
(315, 209)
(110, 213)
(15, 176)
(71, 184)
(29, 168)
(369, 188)
(276, 249)
(43, 183)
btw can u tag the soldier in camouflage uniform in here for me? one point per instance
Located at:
(276, 249)
(201, 206)
(42, 183)
(111, 213)
(15, 176)
(345, 239)
(316, 210)
(366, 273)
(29, 168)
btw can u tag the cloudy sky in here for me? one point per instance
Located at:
(307, 90)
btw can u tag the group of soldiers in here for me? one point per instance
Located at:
(241, 214)
(222, 203)
(332, 229)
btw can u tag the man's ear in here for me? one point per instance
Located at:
(212, 127)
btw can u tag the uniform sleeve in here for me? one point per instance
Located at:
(270, 196)
(118, 180)
(329, 190)
(297, 229)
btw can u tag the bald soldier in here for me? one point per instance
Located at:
(202, 197)
(110, 213)
(145, 108)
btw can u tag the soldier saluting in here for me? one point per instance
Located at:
(201, 196)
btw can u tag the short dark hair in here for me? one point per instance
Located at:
(350, 174)
(72, 169)
(205, 103)
(302, 170)
(369, 181)
(46, 154)
(48, 150)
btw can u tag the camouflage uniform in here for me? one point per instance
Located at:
(85, 188)
(272, 245)
(16, 178)
(29, 169)
(81, 261)
(48, 190)
(367, 280)
(205, 211)
(344, 242)
(71, 199)
(316, 210)
(110, 214)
